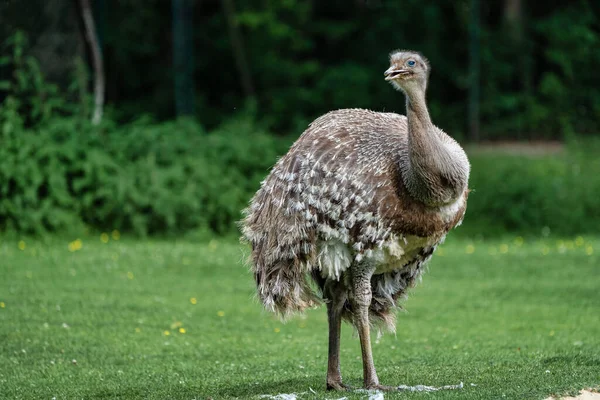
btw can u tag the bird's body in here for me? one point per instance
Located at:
(337, 197)
(358, 205)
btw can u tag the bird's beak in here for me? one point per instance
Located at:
(394, 72)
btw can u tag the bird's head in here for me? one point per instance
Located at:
(408, 70)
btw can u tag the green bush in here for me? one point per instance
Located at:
(58, 172)
(172, 177)
(550, 194)
(34, 189)
(143, 177)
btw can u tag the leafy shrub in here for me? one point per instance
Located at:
(172, 177)
(176, 178)
(530, 194)
(58, 172)
(143, 177)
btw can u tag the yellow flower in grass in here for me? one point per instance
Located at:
(137, 330)
(193, 300)
(221, 313)
(579, 241)
(2, 305)
(181, 330)
(277, 330)
(21, 245)
(75, 245)
(589, 250)
(470, 249)
(166, 333)
(104, 237)
(130, 275)
(116, 235)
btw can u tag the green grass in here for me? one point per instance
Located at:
(518, 320)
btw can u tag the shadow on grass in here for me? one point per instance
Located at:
(238, 391)
(575, 359)
(132, 393)
(292, 385)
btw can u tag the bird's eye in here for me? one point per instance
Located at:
(411, 63)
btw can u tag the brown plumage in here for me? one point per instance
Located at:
(358, 205)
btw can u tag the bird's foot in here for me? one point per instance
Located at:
(337, 385)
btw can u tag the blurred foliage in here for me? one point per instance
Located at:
(306, 57)
(150, 176)
(535, 194)
(57, 171)
(541, 84)
(143, 177)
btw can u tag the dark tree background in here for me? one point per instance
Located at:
(201, 96)
(524, 69)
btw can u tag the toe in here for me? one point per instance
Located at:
(383, 388)
(337, 385)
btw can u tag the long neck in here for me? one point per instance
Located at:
(435, 169)
(421, 132)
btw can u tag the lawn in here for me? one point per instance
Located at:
(114, 317)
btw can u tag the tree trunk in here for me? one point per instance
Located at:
(97, 62)
(237, 46)
(183, 57)
(512, 13)
(515, 29)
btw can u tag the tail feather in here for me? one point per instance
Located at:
(283, 254)
(283, 287)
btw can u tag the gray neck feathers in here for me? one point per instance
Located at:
(435, 169)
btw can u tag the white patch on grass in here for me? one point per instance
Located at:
(281, 396)
(583, 395)
(373, 394)
(379, 395)
(376, 396)
(423, 388)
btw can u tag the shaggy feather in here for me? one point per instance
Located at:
(337, 197)
(357, 187)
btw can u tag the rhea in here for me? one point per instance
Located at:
(358, 205)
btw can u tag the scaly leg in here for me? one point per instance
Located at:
(361, 300)
(336, 296)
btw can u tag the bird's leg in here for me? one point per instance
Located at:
(361, 300)
(336, 296)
